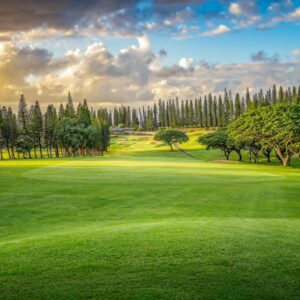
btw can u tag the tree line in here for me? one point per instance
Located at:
(85, 131)
(32, 133)
(260, 131)
(207, 111)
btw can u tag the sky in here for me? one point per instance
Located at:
(115, 52)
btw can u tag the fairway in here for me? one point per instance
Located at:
(145, 223)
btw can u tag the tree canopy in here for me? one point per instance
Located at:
(218, 139)
(276, 126)
(171, 137)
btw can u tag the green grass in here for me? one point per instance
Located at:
(145, 223)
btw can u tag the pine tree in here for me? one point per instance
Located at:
(50, 127)
(155, 115)
(231, 107)
(220, 112)
(200, 113)
(61, 112)
(135, 120)
(226, 108)
(205, 112)
(237, 105)
(70, 111)
(83, 114)
(248, 100)
(274, 95)
(191, 114)
(210, 111)
(294, 96)
(1, 136)
(23, 115)
(214, 112)
(36, 127)
(281, 95)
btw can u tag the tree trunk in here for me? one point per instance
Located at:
(226, 154)
(8, 151)
(1, 153)
(239, 153)
(171, 146)
(285, 160)
(35, 156)
(41, 152)
(56, 151)
(250, 156)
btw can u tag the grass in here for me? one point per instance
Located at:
(145, 223)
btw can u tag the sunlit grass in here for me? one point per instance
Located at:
(146, 223)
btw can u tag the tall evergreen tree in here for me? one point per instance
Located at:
(237, 105)
(36, 127)
(23, 115)
(274, 95)
(220, 112)
(51, 121)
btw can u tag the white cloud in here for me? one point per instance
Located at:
(221, 29)
(235, 9)
(186, 63)
(135, 75)
(295, 14)
(296, 53)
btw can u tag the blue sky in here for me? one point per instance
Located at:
(115, 52)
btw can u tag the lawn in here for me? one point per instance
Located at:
(145, 223)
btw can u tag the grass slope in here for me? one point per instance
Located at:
(145, 223)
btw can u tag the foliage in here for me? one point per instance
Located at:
(171, 137)
(218, 140)
(277, 126)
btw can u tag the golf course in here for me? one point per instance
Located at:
(143, 222)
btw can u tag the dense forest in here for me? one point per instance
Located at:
(83, 131)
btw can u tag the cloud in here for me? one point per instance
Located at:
(57, 14)
(235, 9)
(221, 29)
(262, 56)
(186, 63)
(294, 15)
(35, 20)
(134, 75)
(296, 53)
(291, 16)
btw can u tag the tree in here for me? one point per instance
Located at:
(83, 114)
(24, 145)
(171, 137)
(237, 105)
(1, 136)
(23, 115)
(218, 140)
(277, 126)
(69, 133)
(51, 121)
(36, 127)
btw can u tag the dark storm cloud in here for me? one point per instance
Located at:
(22, 15)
